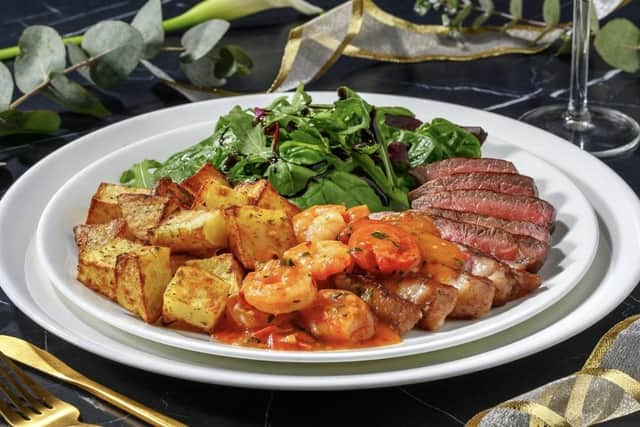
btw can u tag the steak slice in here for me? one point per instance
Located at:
(461, 165)
(437, 300)
(507, 183)
(519, 252)
(514, 227)
(490, 203)
(399, 313)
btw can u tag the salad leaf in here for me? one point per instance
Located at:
(341, 188)
(288, 178)
(140, 174)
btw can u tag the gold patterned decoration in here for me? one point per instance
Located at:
(607, 387)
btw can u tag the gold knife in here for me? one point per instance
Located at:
(43, 361)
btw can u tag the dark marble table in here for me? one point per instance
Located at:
(508, 85)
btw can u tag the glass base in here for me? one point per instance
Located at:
(604, 133)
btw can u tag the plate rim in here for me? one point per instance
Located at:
(544, 338)
(109, 312)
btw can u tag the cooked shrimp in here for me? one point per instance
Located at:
(322, 258)
(378, 247)
(339, 315)
(278, 287)
(322, 222)
(244, 315)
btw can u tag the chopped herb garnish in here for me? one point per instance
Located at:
(355, 249)
(379, 235)
(305, 254)
(287, 262)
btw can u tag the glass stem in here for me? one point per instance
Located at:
(578, 113)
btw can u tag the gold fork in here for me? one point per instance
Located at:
(30, 404)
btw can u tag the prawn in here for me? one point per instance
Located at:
(279, 287)
(321, 258)
(325, 222)
(339, 315)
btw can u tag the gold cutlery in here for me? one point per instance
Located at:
(43, 361)
(31, 405)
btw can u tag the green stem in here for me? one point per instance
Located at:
(12, 52)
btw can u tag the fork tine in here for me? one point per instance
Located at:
(10, 416)
(28, 397)
(15, 399)
(35, 390)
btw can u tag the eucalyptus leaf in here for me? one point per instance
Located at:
(6, 87)
(551, 12)
(462, 15)
(479, 20)
(565, 45)
(201, 39)
(203, 71)
(617, 43)
(41, 53)
(515, 8)
(242, 62)
(24, 122)
(148, 21)
(74, 97)
(120, 47)
(422, 7)
(76, 56)
(487, 6)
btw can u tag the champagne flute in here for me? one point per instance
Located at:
(603, 132)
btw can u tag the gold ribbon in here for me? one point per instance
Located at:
(573, 393)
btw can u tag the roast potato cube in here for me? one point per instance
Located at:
(223, 266)
(89, 236)
(143, 212)
(262, 194)
(97, 265)
(192, 231)
(258, 235)
(178, 260)
(104, 203)
(179, 196)
(206, 174)
(194, 298)
(216, 196)
(142, 276)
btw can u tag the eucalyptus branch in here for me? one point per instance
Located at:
(172, 49)
(47, 81)
(511, 17)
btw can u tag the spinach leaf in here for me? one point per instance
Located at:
(341, 188)
(459, 141)
(251, 139)
(301, 153)
(288, 178)
(141, 174)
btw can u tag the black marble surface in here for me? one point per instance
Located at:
(508, 85)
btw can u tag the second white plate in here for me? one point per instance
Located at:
(574, 245)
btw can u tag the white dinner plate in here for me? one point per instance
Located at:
(574, 245)
(612, 277)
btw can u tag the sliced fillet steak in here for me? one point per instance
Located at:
(490, 203)
(507, 183)
(523, 228)
(519, 252)
(461, 165)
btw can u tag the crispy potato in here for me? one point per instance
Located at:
(258, 235)
(206, 174)
(262, 194)
(89, 236)
(104, 203)
(143, 212)
(142, 276)
(192, 231)
(97, 265)
(178, 260)
(223, 266)
(195, 298)
(213, 195)
(179, 196)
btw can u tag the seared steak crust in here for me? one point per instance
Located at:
(489, 203)
(507, 183)
(461, 165)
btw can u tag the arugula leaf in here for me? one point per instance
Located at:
(352, 114)
(341, 188)
(141, 174)
(288, 178)
(251, 139)
(301, 153)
